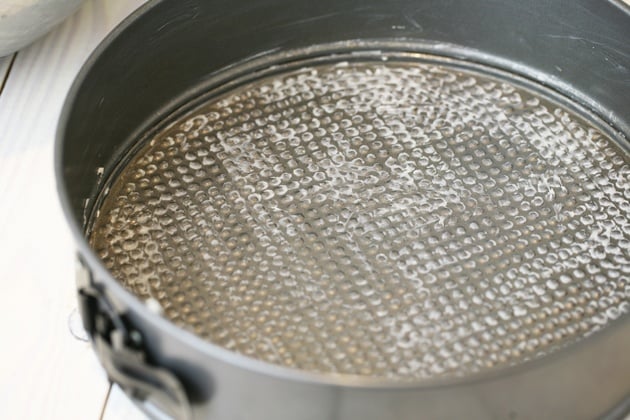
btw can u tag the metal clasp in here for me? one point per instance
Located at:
(120, 348)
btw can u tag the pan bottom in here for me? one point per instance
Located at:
(399, 216)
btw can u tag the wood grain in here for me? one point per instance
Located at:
(45, 371)
(5, 67)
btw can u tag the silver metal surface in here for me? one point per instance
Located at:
(394, 219)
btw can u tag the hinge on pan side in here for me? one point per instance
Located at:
(120, 349)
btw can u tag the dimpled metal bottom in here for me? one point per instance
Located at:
(394, 219)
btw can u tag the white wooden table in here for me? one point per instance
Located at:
(47, 369)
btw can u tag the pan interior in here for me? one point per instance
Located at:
(394, 218)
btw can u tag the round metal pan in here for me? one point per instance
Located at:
(173, 56)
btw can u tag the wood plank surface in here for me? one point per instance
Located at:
(46, 371)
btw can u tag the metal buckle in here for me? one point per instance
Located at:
(120, 348)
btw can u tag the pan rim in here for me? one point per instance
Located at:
(208, 349)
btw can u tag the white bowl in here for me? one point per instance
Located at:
(23, 21)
